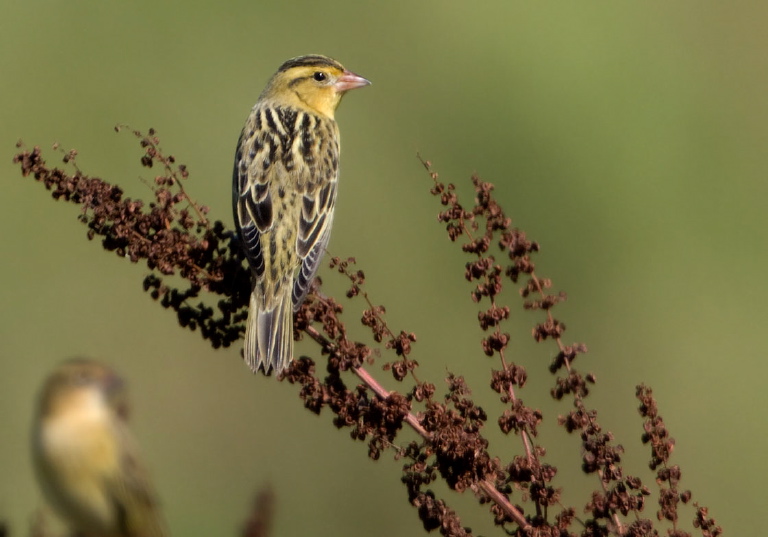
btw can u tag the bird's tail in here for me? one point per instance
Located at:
(269, 334)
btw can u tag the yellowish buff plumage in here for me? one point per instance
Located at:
(284, 192)
(86, 459)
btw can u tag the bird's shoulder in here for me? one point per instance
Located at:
(296, 138)
(272, 118)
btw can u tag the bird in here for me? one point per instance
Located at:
(85, 458)
(284, 186)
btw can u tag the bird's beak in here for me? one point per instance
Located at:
(350, 80)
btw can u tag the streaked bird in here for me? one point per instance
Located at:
(284, 192)
(86, 459)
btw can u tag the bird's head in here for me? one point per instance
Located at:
(316, 83)
(81, 381)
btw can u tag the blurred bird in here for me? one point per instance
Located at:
(284, 193)
(85, 457)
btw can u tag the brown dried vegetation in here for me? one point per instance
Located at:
(173, 236)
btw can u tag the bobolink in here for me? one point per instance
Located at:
(284, 193)
(86, 459)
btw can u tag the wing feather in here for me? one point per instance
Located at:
(131, 492)
(314, 234)
(309, 268)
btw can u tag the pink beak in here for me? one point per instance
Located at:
(350, 80)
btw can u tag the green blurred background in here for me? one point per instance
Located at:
(629, 138)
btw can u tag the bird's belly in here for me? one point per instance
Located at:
(79, 459)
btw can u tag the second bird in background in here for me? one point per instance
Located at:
(85, 457)
(284, 193)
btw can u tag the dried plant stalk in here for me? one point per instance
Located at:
(173, 236)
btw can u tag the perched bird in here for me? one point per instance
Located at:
(284, 193)
(85, 457)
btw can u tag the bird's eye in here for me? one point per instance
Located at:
(319, 76)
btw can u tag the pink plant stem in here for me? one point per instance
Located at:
(487, 486)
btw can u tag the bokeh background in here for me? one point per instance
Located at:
(629, 139)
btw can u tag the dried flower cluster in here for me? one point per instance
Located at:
(173, 236)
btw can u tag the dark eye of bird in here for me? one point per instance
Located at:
(319, 76)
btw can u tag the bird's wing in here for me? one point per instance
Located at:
(317, 204)
(252, 199)
(311, 263)
(131, 491)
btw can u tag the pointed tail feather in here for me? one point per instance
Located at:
(269, 334)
